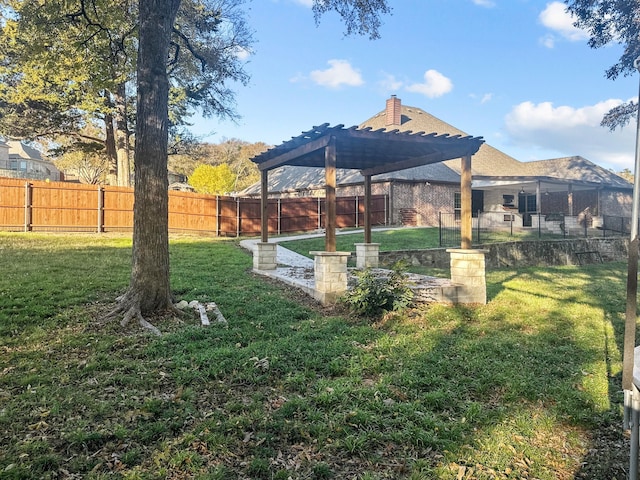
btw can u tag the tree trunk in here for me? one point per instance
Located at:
(122, 138)
(110, 144)
(149, 291)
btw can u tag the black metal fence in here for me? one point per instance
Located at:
(556, 225)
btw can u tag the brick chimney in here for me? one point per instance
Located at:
(394, 107)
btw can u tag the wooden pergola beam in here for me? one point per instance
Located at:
(300, 151)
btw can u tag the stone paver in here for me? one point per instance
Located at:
(298, 271)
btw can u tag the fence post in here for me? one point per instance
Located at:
(279, 215)
(586, 230)
(357, 224)
(478, 227)
(218, 213)
(100, 209)
(440, 228)
(539, 225)
(27, 207)
(386, 210)
(319, 215)
(237, 216)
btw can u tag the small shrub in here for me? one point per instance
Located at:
(375, 294)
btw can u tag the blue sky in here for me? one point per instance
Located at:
(512, 71)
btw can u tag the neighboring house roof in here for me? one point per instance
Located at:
(20, 150)
(574, 168)
(36, 166)
(487, 163)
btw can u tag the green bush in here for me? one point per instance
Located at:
(374, 293)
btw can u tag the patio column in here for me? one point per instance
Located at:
(330, 195)
(465, 200)
(570, 199)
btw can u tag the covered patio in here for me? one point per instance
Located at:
(372, 153)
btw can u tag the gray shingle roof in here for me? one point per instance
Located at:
(574, 168)
(487, 162)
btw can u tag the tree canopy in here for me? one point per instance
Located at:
(218, 180)
(612, 22)
(66, 65)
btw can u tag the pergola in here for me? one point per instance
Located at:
(372, 153)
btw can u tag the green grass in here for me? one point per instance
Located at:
(527, 386)
(400, 239)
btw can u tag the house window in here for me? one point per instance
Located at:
(477, 203)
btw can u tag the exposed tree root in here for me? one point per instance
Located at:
(129, 308)
(134, 312)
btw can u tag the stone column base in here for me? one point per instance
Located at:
(264, 256)
(330, 274)
(367, 255)
(468, 271)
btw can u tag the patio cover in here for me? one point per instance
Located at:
(372, 152)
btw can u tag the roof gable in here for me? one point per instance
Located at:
(486, 161)
(575, 168)
(21, 150)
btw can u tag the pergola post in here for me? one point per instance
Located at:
(264, 257)
(264, 206)
(330, 195)
(367, 253)
(466, 227)
(468, 265)
(367, 209)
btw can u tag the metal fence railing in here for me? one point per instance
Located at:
(553, 225)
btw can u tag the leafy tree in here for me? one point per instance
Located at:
(612, 21)
(237, 154)
(90, 165)
(214, 180)
(627, 175)
(63, 70)
(149, 289)
(68, 63)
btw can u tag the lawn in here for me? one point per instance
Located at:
(527, 386)
(402, 239)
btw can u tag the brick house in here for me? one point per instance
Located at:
(504, 189)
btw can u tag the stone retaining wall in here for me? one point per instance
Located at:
(522, 254)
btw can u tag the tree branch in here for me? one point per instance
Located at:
(191, 48)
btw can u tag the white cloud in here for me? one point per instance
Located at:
(242, 53)
(485, 98)
(484, 3)
(556, 18)
(390, 83)
(572, 131)
(435, 85)
(340, 73)
(306, 3)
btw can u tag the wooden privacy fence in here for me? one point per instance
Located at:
(71, 207)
